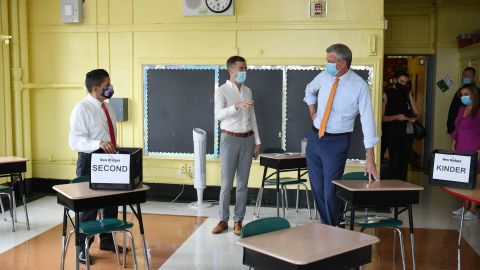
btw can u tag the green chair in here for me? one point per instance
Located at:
(284, 182)
(102, 225)
(373, 221)
(9, 192)
(264, 225)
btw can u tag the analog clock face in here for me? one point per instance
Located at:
(218, 6)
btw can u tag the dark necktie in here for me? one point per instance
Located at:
(110, 125)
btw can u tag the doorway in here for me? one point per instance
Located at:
(419, 67)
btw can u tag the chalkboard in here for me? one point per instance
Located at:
(180, 98)
(267, 91)
(176, 101)
(298, 117)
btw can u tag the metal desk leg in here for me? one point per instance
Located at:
(13, 203)
(412, 238)
(64, 240)
(460, 239)
(23, 188)
(77, 240)
(124, 218)
(140, 222)
(352, 216)
(278, 195)
(260, 193)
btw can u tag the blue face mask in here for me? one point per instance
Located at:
(331, 68)
(466, 100)
(241, 77)
(466, 80)
(107, 92)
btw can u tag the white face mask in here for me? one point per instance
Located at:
(331, 68)
(241, 77)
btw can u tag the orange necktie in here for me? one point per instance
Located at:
(328, 108)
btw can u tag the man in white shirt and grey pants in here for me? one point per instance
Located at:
(240, 141)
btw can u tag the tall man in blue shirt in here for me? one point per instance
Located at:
(334, 99)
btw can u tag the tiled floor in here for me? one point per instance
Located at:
(202, 250)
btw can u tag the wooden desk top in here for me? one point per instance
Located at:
(382, 185)
(283, 156)
(82, 190)
(12, 159)
(308, 243)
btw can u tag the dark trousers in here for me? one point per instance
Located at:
(399, 149)
(326, 158)
(83, 169)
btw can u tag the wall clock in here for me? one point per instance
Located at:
(218, 6)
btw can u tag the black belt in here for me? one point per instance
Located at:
(240, 135)
(331, 134)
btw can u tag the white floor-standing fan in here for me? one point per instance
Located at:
(200, 151)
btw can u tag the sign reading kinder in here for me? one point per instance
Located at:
(452, 168)
(110, 168)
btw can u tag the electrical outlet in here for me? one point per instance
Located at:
(181, 171)
(190, 170)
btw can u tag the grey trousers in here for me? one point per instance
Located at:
(236, 156)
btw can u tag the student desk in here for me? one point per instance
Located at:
(79, 197)
(464, 194)
(282, 162)
(14, 166)
(383, 193)
(312, 246)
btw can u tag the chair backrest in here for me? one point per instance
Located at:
(80, 179)
(273, 151)
(355, 176)
(264, 225)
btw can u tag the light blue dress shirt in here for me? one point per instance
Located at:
(352, 97)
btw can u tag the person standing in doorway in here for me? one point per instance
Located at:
(399, 113)
(240, 141)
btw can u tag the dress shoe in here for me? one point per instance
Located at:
(221, 226)
(237, 228)
(111, 247)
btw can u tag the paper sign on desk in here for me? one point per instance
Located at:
(453, 169)
(110, 168)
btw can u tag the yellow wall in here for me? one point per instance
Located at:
(431, 27)
(452, 20)
(5, 110)
(470, 57)
(123, 35)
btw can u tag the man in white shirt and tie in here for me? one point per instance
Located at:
(92, 127)
(340, 95)
(239, 143)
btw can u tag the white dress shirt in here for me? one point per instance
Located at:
(238, 121)
(88, 125)
(352, 97)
